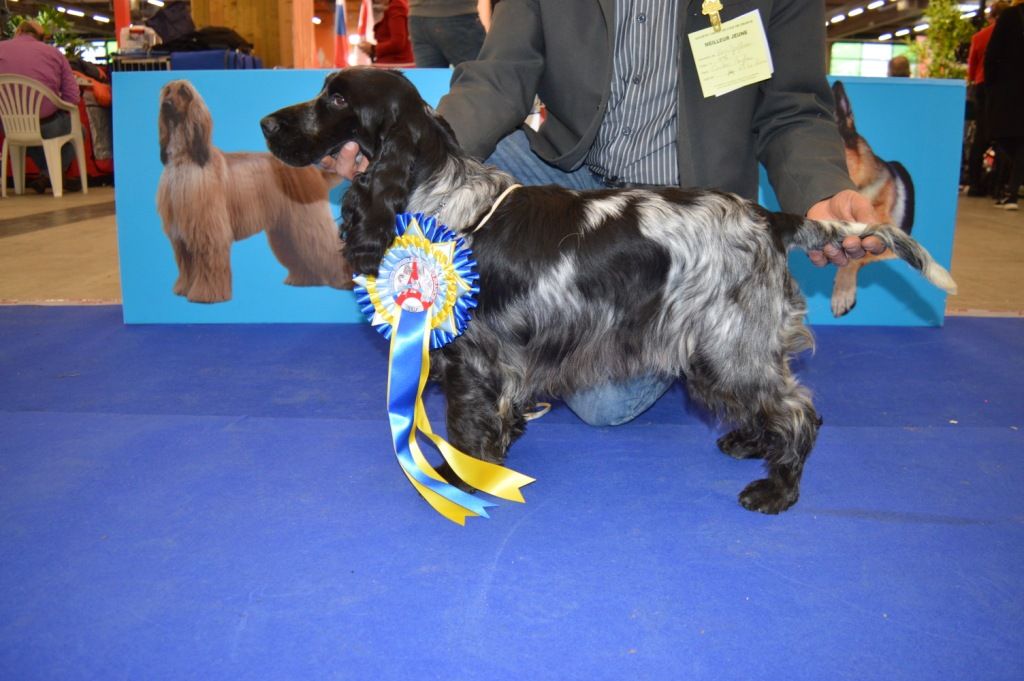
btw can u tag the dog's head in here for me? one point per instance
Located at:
(361, 104)
(184, 124)
(383, 113)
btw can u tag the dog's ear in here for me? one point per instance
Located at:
(165, 137)
(844, 111)
(370, 205)
(197, 129)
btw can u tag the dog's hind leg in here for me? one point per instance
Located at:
(309, 246)
(789, 426)
(741, 444)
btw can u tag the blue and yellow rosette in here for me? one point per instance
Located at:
(421, 300)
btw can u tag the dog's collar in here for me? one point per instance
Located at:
(497, 202)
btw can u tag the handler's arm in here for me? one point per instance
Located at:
(797, 137)
(491, 96)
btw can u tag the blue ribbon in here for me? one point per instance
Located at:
(407, 353)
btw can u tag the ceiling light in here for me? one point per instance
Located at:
(837, 18)
(158, 3)
(876, 4)
(76, 12)
(61, 9)
(902, 32)
(101, 19)
(885, 36)
(969, 15)
(316, 20)
(921, 27)
(856, 11)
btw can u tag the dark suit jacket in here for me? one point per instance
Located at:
(562, 51)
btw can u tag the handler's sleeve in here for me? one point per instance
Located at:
(797, 137)
(491, 96)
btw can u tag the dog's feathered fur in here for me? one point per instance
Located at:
(209, 199)
(579, 288)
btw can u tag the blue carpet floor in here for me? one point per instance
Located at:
(221, 502)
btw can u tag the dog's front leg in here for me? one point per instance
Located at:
(483, 420)
(184, 260)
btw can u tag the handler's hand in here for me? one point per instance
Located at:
(348, 163)
(853, 207)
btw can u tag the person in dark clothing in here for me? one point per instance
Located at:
(1004, 82)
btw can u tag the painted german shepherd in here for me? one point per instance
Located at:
(886, 184)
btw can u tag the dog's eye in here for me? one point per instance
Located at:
(337, 100)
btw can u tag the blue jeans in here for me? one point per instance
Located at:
(608, 404)
(440, 42)
(55, 126)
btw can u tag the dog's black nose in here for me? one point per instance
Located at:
(269, 125)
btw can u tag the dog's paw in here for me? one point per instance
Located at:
(739, 445)
(843, 302)
(768, 496)
(446, 472)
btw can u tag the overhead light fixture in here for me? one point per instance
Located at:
(100, 18)
(920, 28)
(316, 20)
(76, 12)
(885, 36)
(876, 4)
(855, 12)
(837, 18)
(902, 32)
(158, 3)
(61, 10)
(969, 15)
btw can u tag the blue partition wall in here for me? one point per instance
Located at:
(915, 122)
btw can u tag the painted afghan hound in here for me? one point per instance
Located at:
(208, 199)
(581, 288)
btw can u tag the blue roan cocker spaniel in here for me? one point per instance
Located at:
(580, 288)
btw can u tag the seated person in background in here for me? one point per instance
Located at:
(27, 55)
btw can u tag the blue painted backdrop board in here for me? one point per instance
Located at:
(916, 122)
(920, 124)
(237, 100)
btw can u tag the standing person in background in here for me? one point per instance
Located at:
(624, 109)
(391, 34)
(899, 67)
(976, 81)
(445, 32)
(1004, 82)
(27, 55)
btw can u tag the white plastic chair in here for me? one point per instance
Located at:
(20, 101)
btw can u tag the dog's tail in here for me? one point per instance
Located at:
(812, 235)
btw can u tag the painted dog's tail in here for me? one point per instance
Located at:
(812, 235)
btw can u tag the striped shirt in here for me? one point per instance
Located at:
(637, 139)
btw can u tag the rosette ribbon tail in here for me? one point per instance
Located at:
(407, 380)
(408, 361)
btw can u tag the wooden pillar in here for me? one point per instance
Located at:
(280, 30)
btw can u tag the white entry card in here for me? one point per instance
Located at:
(736, 56)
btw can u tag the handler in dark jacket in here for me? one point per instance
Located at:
(625, 107)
